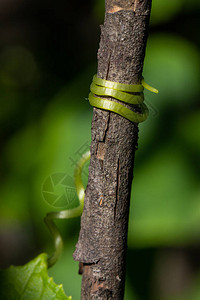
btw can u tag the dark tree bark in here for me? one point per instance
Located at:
(102, 243)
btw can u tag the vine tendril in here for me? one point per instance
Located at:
(126, 93)
(68, 213)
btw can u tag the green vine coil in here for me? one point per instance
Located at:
(122, 92)
(126, 93)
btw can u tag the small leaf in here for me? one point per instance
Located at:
(30, 282)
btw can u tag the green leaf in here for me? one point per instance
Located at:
(163, 11)
(170, 53)
(165, 206)
(30, 281)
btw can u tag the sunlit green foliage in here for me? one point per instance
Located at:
(30, 282)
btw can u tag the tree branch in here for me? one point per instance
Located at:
(103, 236)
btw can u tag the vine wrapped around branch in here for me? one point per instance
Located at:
(102, 243)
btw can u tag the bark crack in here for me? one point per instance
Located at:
(106, 127)
(108, 68)
(117, 189)
(135, 5)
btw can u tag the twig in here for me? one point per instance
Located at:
(104, 224)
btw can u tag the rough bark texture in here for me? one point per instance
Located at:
(103, 236)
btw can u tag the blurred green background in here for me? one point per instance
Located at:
(47, 59)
